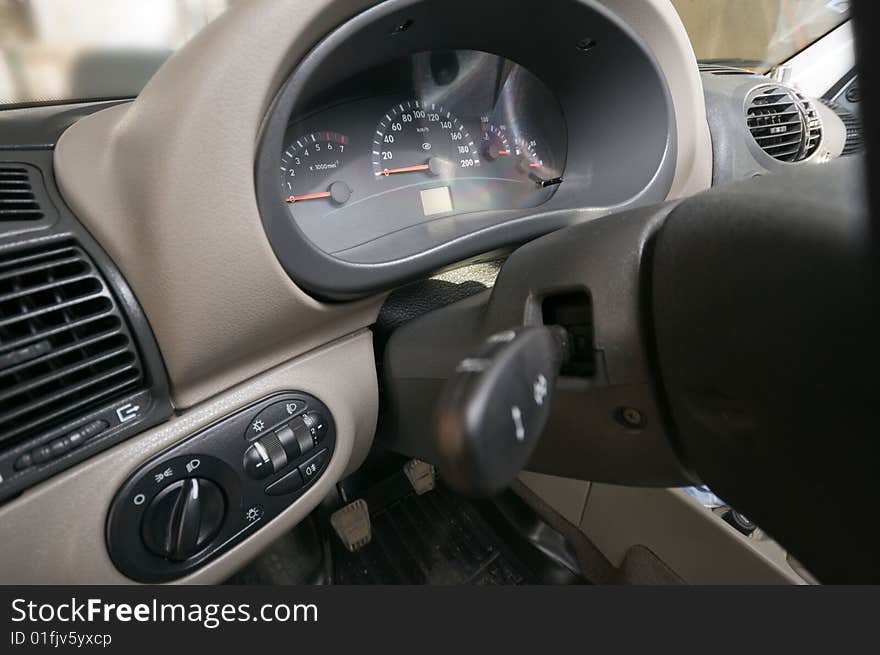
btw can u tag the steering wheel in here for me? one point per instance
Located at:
(729, 339)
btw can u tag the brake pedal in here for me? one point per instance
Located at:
(421, 475)
(352, 525)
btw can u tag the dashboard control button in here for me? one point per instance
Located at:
(41, 454)
(60, 446)
(313, 467)
(287, 438)
(273, 416)
(77, 438)
(317, 426)
(303, 436)
(183, 518)
(93, 429)
(256, 462)
(82, 434)
(267, 455)
(288, 484)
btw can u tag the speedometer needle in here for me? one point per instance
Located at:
(406, 169)
(308, 196)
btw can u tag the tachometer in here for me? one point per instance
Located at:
(422, 138)
(310, 167)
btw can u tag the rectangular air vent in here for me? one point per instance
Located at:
(64, 347)
(17, 199)
(720, 69)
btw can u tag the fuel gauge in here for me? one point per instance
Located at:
(532, 164)
(526, 151)
(515, 157)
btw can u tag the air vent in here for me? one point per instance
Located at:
(854, 142)
(783, 123)
(17, 200)
(720, 69)
(64, 347)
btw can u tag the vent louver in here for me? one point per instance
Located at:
(721, 69)
(853, 125)
(64, 347)
(17, 200)
(783, 123)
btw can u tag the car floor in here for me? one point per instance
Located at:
(443, 538)
(437, 538)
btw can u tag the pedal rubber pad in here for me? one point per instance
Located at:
(352, 524)
(421, 476)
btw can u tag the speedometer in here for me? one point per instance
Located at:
(422, 139)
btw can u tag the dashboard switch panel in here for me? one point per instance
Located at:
(199, 498)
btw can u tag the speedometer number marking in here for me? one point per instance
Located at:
(416, 137)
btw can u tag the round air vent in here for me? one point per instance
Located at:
(783, 123)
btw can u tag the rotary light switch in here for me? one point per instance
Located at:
(183, 518)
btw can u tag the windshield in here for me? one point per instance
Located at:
(61, 50)
(67, 50)
(757, 34)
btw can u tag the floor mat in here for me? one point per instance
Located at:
(436, 538)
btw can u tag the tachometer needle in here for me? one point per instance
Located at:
(406, 169)
(308, 196)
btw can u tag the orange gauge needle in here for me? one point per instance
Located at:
(504, 152)
(406, 169)
(534, 165)
(308, 196)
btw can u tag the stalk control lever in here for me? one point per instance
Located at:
(495, 406)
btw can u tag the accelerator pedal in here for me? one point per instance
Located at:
(421, 475)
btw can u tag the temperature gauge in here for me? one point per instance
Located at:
(494, 143)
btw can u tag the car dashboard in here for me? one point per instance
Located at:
(247, 215)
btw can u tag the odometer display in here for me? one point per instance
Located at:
(424, 140)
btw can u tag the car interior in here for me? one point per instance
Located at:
(436, 292)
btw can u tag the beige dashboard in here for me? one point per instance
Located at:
(166, 185)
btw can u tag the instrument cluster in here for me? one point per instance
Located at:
(441, 134)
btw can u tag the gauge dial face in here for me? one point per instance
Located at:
(310, 169)
(422, 140)
(515, 156)
(494, 145)
(526, 150)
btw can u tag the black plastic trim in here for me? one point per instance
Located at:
(39, 126)
(218, 450)
(153, 398)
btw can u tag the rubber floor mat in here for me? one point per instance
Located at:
(436, 538)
